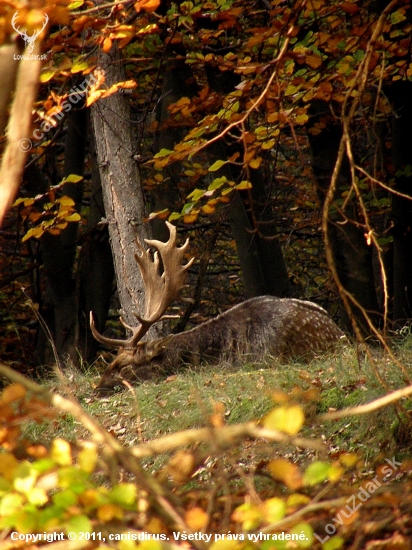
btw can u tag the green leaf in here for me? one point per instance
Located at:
(217, 183)
(75, 5)
(64, 499)
(72, 178)
(397, 17)
(333, 544)
(79, 66)
(216, 165)
(359, 55)
(174, 216)
(305, 532)
(79, 524)
(187, 208)
(124, 494)
(163, 153)
(315, 473)
(196, 194)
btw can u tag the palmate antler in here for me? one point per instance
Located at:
(160, 288)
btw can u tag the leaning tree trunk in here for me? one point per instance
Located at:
(121, 185)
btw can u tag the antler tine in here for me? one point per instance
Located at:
(162, 289)
(115, 342)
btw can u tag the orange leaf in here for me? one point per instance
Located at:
(314, 61)
(146, 5)
(107, 44)
(196, 519)
(350, 8)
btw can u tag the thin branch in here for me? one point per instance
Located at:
(221, 438)
(368, 407)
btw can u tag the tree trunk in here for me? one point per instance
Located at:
(122, 187)
(96, 270)
(59, 252)
(401, 95)
(353, 258)
(178, 83)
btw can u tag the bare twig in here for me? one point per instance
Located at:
(368, 407)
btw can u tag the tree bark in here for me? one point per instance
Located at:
(122, 188)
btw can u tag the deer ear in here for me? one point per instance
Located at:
(156, 347)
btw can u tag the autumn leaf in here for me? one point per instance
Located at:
(314, 61)
(146, 5)
(288, 419)
(286, 472)
(196, 519)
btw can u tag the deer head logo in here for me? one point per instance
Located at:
(29, 40)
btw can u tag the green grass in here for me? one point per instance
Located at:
(240, 394)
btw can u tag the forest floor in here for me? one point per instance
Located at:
(223, 395)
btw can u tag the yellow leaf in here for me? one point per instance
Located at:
(286, 419)
(296, 500)
(249, 515)
(209, 209)
(255, 163)
(301, 119)
(46, 76)
(286, 472)
(36, 232)
(73, 217)
(61, 452)
(348, 459)
(291, 90)
(274, 509)
(268, 144)
(87, 457)
(66, 201)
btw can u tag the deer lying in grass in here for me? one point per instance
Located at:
(266, 325)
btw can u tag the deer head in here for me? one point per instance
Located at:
(29, 40)
(161, 289)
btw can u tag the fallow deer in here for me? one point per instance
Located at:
(263, 326)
